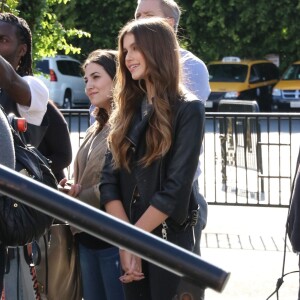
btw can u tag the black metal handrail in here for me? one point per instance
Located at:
(112, 230)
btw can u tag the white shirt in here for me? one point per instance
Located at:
(195, 75)
(34, 114)
(196, 80)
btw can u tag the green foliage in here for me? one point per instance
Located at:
(103, 19)
(49, 35)
(9, 6)
(243, 28)
(211, 29)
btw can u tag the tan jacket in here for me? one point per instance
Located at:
(88, 165)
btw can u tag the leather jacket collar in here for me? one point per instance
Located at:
(139, 125)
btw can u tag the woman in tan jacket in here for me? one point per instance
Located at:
(99, 261)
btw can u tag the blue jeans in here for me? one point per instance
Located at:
(202, 217)
(100, 271)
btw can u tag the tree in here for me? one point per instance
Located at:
(251, 29)
(103, 19)
(211, 29)
(49, 35)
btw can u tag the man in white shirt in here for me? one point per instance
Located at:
(195, 73)
(21, 93)
(195, 77)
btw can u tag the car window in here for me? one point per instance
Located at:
(270, 71)
(71, 68)
(42, 66)
(254, 73)
(292, 73)
(227, 72)
(265, 71)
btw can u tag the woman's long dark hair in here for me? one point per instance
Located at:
(157, 42)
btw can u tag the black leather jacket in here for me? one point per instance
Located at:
(167, 183)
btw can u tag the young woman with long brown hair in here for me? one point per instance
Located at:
(155, 138)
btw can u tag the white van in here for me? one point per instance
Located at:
(63, 77)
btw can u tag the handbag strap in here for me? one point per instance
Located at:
(29, 259)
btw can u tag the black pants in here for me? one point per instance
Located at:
(160, 284)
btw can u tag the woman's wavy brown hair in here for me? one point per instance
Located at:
(157, 42)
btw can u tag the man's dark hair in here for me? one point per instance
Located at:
(24, 35)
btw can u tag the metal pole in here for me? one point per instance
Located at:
(112, 230)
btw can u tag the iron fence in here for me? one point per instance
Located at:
(248, 158)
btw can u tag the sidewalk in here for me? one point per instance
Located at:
(248, 242)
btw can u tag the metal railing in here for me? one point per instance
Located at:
(103, 226)
(248, 158)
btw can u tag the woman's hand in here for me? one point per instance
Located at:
(67, 187)
(132, 267)
(74, 190)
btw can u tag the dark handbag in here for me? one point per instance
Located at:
(20, 224)
(58, 272)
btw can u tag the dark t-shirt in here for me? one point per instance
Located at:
(56, 143)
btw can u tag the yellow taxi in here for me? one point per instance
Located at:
(233, 78)
(286, 93)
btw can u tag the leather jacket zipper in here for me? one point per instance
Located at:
(132, 200)
(164, 226)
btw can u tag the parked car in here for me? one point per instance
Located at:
(62, 75)
(233, 78)
(286, 93)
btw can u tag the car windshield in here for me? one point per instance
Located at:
(227, 72)
(292, 73)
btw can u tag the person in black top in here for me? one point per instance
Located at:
(56, 144)
(20, 92)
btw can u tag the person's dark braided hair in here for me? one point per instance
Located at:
(25, 37)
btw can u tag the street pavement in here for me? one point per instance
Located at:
(248, 242)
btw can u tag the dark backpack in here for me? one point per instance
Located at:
(20, 224)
